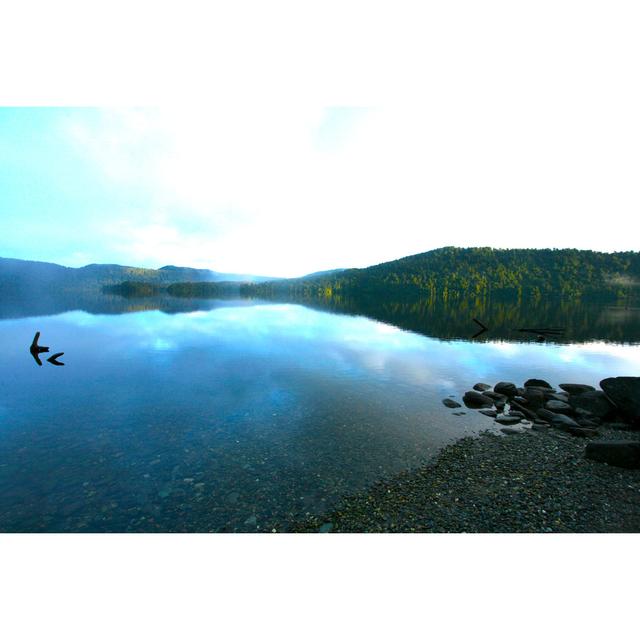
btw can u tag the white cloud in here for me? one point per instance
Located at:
(287, 191)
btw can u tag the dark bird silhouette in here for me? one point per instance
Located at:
(54, 359)
(36, 350)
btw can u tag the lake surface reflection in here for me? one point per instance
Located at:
(239, 416)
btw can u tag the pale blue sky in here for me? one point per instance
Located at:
(284, 192)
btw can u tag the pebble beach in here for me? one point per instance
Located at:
(536, 478)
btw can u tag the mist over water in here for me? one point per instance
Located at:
(240, 415)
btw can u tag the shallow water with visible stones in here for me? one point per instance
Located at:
(240, 415)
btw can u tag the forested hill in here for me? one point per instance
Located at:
(26, 277)
(451, 272)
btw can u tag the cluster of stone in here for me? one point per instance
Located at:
(578, 409)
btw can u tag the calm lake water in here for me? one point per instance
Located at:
(241, 416)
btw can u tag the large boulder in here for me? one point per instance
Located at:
(476, 400)
(595, 402)
(619, 453)
(624, 392)
(506, 389)
(575, 389)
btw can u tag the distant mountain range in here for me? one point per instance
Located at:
(20, 276)
(443, 273)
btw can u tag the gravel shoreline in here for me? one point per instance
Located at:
(530, 482)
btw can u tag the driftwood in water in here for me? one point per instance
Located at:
(551, 331)
(54, 359)
(36, 349)
(543, 333)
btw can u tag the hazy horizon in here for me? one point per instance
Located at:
(259, 273)
(286, 192)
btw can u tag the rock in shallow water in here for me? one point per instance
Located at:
(492, 413)
(481, 386)
(506, 388)
(475, 399)
(508, 419)
(618, 453)
(534, 382)
(452, 404)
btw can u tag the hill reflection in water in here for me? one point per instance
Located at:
(581, 321)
